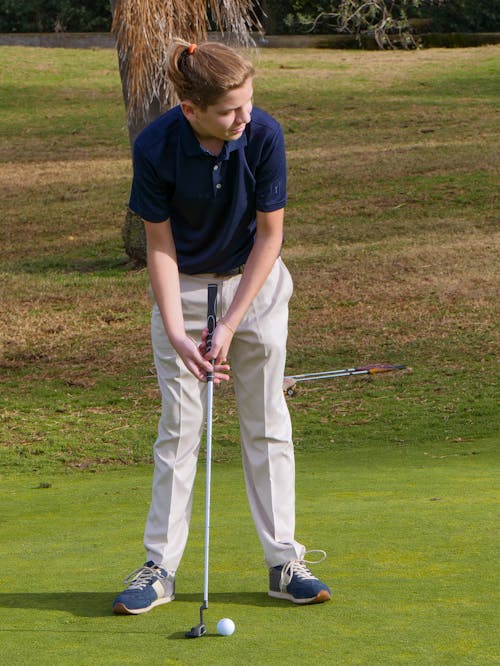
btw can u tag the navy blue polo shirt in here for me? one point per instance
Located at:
(211, 201)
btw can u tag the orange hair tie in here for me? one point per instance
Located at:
(192, 48)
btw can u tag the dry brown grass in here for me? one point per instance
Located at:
(411, 294)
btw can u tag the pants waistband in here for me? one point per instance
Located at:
(237, 270)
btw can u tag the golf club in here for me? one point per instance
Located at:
(200, 629)
(290, 381)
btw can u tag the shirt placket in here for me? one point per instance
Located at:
(217, 178)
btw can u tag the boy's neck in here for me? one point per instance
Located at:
(213, 146)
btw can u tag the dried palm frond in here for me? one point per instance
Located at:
(143, 30)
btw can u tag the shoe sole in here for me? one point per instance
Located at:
(121, 609)
(320, 598)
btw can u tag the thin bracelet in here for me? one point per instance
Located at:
(227, 325)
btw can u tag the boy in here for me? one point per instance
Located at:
(210, 184)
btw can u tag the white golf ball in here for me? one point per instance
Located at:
(225, 627)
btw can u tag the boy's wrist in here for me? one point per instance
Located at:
(227, 325)
(177, 336)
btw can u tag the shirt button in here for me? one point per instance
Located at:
(216, 167)
(218, 186)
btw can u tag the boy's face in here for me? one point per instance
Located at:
(226, 119)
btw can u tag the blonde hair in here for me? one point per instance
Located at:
(204, 72)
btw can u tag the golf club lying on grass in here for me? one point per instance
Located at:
(290, 381)
(200, 629)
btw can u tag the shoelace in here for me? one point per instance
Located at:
(298, 568)
(141, 577)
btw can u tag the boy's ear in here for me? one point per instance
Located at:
(188, 109)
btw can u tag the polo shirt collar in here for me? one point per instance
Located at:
(192, 148)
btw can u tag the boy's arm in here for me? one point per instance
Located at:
(164, 276)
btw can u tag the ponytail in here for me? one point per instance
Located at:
(204, 72)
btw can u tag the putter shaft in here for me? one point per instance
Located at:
(200, 629)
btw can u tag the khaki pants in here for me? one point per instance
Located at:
(257, 359)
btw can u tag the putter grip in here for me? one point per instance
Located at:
(211, 316)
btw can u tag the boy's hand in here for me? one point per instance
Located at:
(199, 366)
(221, 341)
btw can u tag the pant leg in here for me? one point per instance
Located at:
(179, 435)
(257, 356)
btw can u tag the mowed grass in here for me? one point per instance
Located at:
(411, 564)
(392, 240)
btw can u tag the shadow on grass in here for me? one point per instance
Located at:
(75, 264)
(98, 604)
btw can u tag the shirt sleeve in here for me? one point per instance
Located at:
(271, 175)
(149, 193)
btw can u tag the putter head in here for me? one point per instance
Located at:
(197, 632)
(289, 386)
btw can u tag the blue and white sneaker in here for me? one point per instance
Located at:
(150, 586)
(293, 581)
